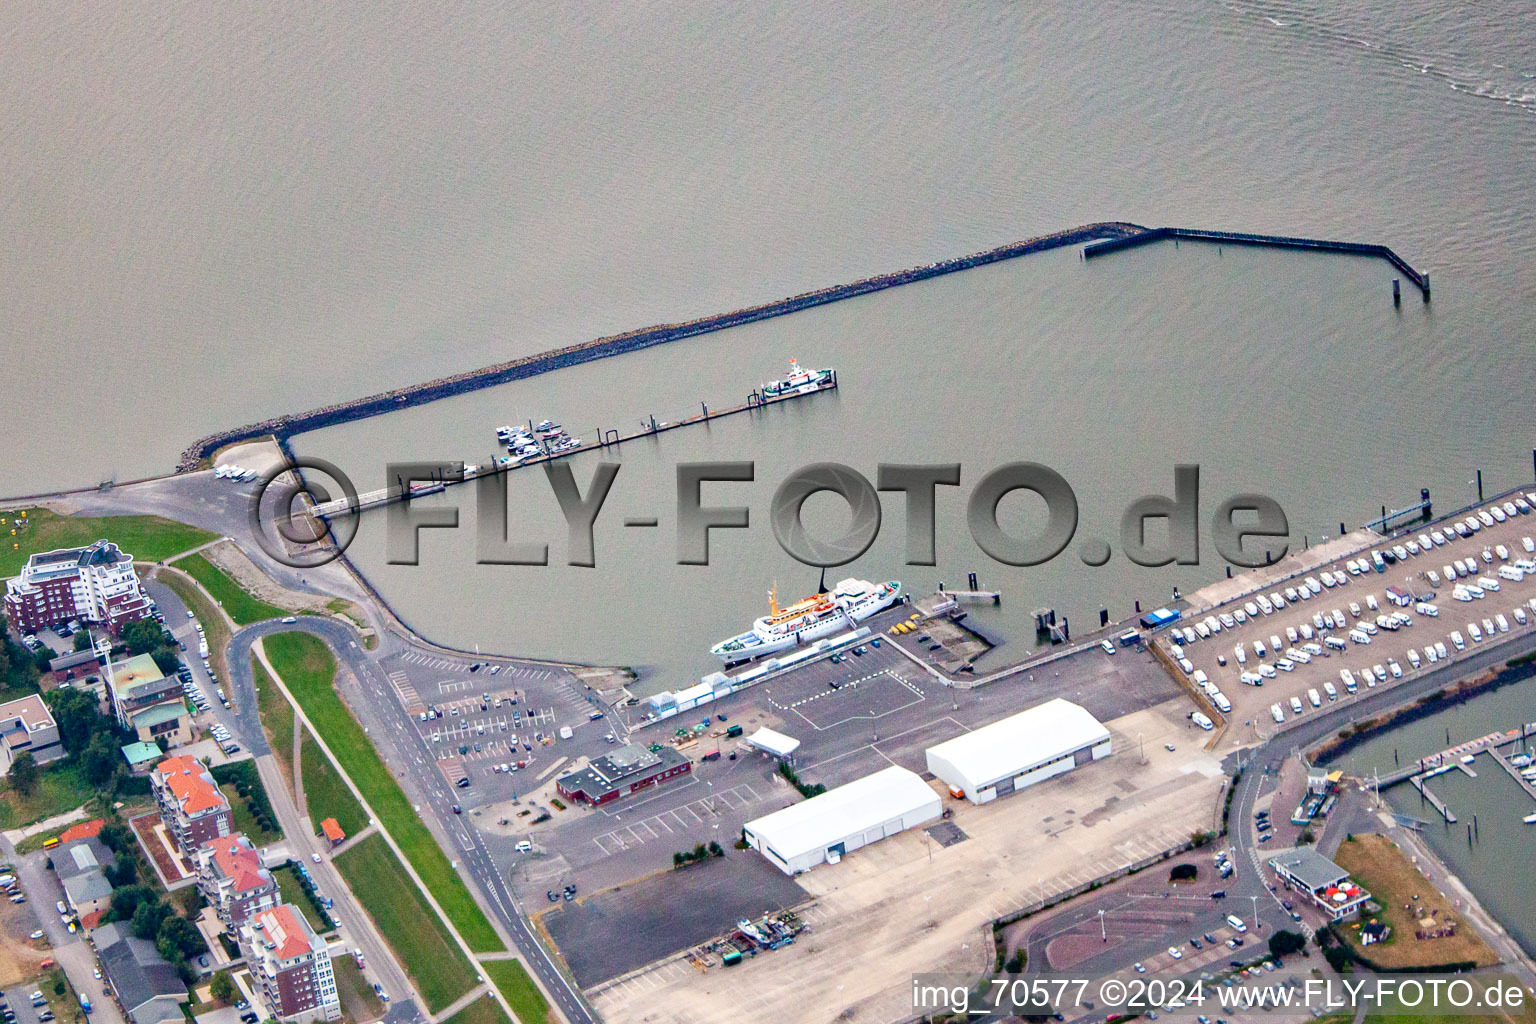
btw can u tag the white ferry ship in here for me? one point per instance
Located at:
(799, 382)
(819, 615)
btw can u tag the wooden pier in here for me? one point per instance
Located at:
(1418, 782)
(605, 439)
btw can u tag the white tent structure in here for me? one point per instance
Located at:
(839, 821)
(1019, 751)
(772, 742)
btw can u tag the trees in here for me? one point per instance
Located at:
(167, 660)
(143, 636)
(1184, 873)
(24, 773)
(78, 716)
(83, 640)
(116, 837)
(100, 759)
(178, 938)
(221, 987)
(1284, 943)
(125, 901)
(148, 916)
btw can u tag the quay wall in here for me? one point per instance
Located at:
(601, 348)
(1109, 245)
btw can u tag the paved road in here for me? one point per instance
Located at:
(381, 706)
(1263, 763)
(78, 960)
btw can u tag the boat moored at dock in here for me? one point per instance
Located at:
(811, 618)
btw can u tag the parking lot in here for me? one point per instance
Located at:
(485, 720)
(1379, 653)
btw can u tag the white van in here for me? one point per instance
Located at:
(1291, 635)
(1236, 923)
(1488, 583)
(1295, 705)
(1240, 654)
(1335, 642)
(1440, 649)
(1200, 677)
(1502, 622)
(1456, 639)
(1425, 608)
(1276, 713)
(1432, 654)
(1187, 665)
(1267, 671)
(1200, 720)
(1519, 614)
(1413, 657)
(1306, 631)
(1348, 679)
(1315, 697)
(1512, 573)
(1331, 691)
(1220, 700)
(1370, 602)
(1258, 648)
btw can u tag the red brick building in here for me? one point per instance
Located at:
(192, 808)
(290, 965)
(233, 879)
(627, 769)
(93, 584)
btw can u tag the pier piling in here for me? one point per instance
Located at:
(1397, 292)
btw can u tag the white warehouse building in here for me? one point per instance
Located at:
(824, 828)
(1019, 751)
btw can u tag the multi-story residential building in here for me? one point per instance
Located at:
(93, 584)
(26, 724)
(234, 880)
(146, 703)
(192, 808)
(290, 965)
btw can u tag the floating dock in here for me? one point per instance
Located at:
(606, 439)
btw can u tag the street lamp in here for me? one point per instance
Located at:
(1255, 914)
(1102, 933)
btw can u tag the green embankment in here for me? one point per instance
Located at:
(511, 977)
(437, 966)
(308, 669)
(238, 603)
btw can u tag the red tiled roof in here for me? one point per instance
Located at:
(286, 932)
(332, 829)
(190, 783)
(91, 920)
(238, 861)
(85, 830)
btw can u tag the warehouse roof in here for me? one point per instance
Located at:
(847, 810)
(1042, 733)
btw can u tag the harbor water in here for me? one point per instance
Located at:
(1497, 867)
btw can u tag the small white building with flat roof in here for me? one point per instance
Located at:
(1019, 751)
(824, 828)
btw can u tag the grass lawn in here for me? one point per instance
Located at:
(440, 971)
(1393, 881)
(358, 1001)
(146, 538)
(309, 670)
(215, 629)
(511, 977)
(245, 821)
(276, 717)
(60, 787)
(325, 795)
(481, 1011)
(293, 892)
(239, 603)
